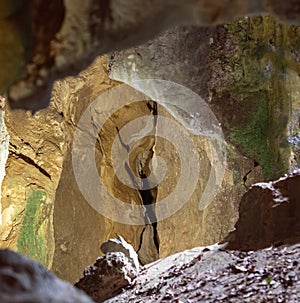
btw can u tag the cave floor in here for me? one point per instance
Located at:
(215, 274)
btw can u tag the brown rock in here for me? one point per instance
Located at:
(68, 226)
(107, 276)
(53, 40)
(269, 215)
(74, 218)
(24, 280)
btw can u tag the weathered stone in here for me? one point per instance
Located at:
(24, 280)
(170, 57)
(75, 220)
(40, 182)
(46, 41)
(148, 250)
(269, 215)
(4, 139)
(37, 218)
(209, 275)
(107, 276)
(36, 152)
(253, 116)
(120, 245)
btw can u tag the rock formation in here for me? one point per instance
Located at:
(46, 41)
(115, 270)
(24, 280)
(120, 245)
(245, 71)
(235, 69)
(211, 275)
(269, 215)
(107, 276)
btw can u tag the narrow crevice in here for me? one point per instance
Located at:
(29, 161)
(140, 244)
(148, 196)
(245, 178)
(149, 202)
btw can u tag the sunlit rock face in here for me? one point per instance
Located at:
(246, 71)
(76, 221)
(43, 41)
(36, 152)
(46, 216)
(239, 70)
(3, 146)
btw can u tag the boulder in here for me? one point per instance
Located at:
(24, 280)
(107, 276)
(269, 215)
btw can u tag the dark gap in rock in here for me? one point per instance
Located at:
(140, 244)
(150, 216)
(31, 162)
(153, 109)
(149, 196)
(255, 164)
(245, 177)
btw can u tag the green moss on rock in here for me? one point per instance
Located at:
(253, 137)
(30, 242)
(259, 89)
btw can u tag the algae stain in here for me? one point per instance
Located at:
(261, 91)
(30, 242)
(252, 137)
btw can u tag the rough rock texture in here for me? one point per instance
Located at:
(269, 215)
(211, 275)
(4, 139)
(36, 152)
(237, 69)
(49, 40)
(44, 216)
(120, 245)
(24, 280)
(75, 221)
(107, 276)
(248, 73)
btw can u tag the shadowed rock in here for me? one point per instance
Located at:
(107, 276)
(23, 280)
(55, 39)
(269, 215)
